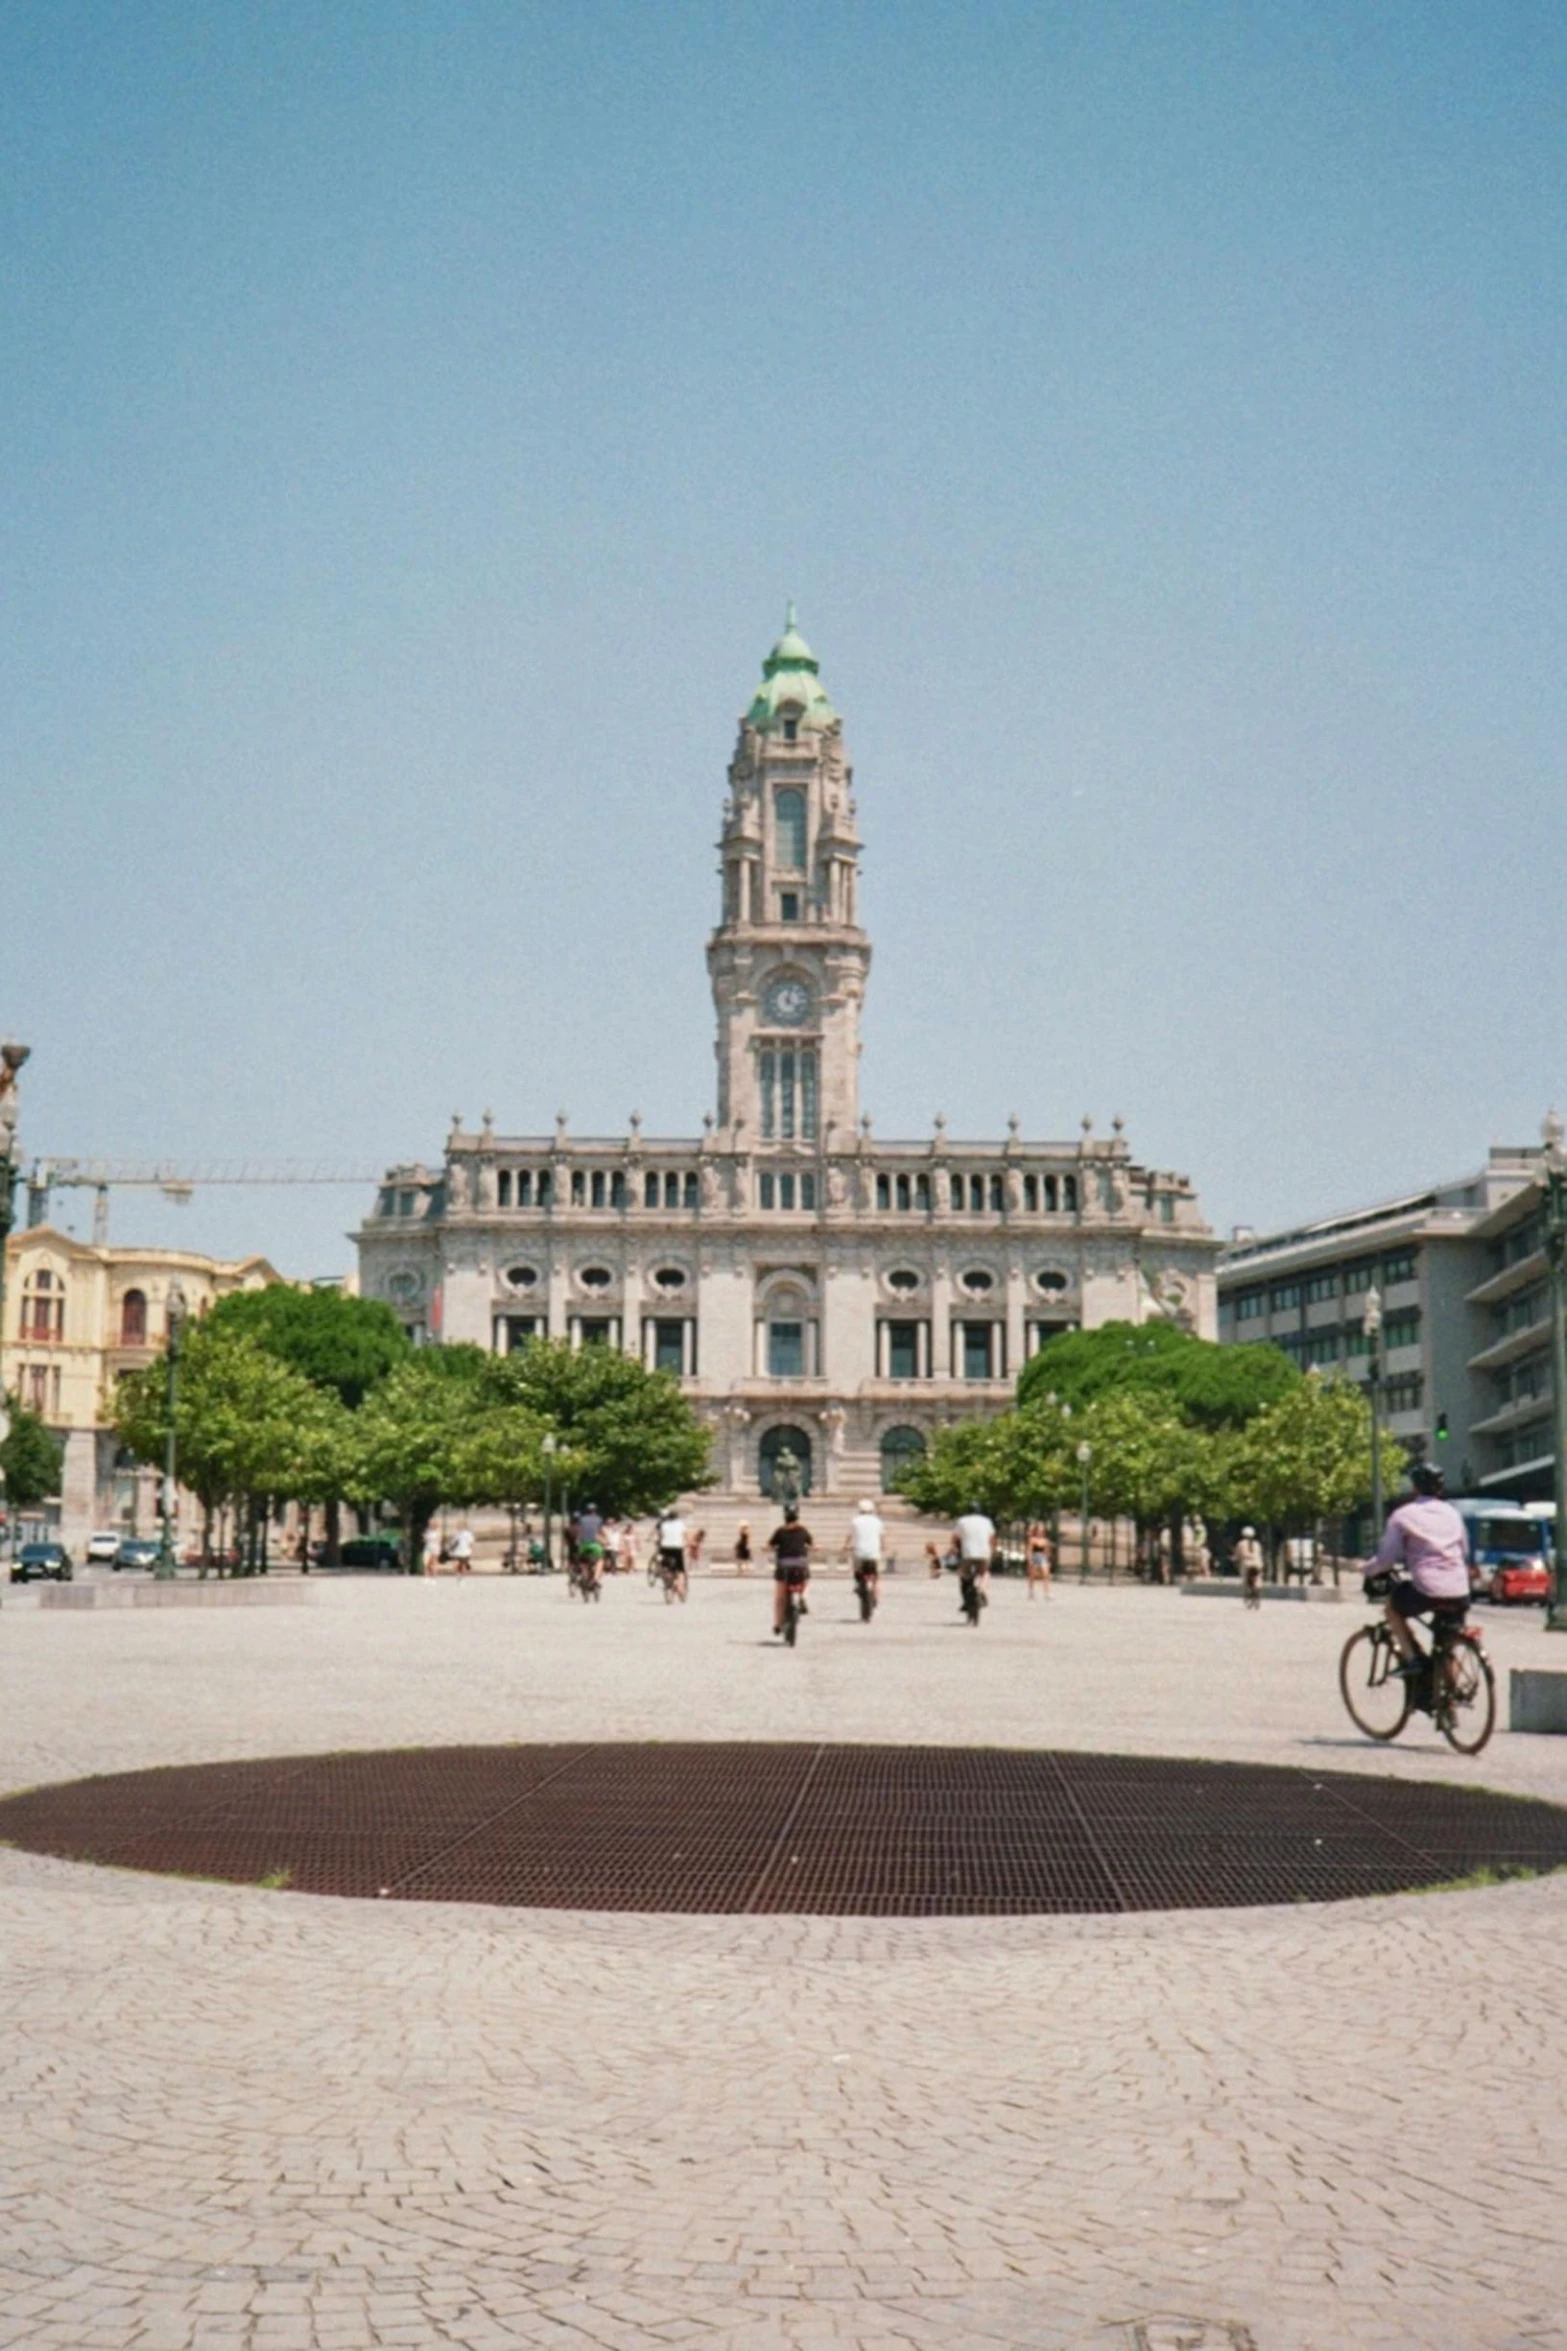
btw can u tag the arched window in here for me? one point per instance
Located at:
(899, 1447)
(133, 1319)
(789, 821)
(784, 1463)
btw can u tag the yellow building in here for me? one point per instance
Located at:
(77, 1315)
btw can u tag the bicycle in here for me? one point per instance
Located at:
(671, 1572)
(794, 1609)
(970, 1598)
(865, 1588)
(1454, 1683)
(581, 1579)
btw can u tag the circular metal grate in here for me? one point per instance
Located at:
(857, 1831)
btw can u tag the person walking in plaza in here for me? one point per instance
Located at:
(430, 1557)
(1039, 1561)
(461, 1548)
(743, 1548)
(790, 1545)
(1248, 1560)
(933, 1562)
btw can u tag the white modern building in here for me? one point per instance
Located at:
(814, 1287)
(1435, 1259)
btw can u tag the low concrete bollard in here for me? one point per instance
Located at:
(1536, 1700)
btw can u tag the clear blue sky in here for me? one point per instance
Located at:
(415, 418)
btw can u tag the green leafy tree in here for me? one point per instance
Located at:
(247, 1427)
(411, 1441)
(345, 1346)
(1149, 1462)
(964, 1463)
(1210, 1385)
(31, 1457)
(628, 1437)
(1307, 1457)
(338, 1342)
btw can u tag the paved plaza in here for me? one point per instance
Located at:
(244, 2118)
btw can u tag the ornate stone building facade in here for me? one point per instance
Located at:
(812, 1286)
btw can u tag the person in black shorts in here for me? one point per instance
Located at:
(790, 1546)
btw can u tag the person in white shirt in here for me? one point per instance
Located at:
(462, 1550)
(863, 1544)
(672, 1552)
(975, 1540)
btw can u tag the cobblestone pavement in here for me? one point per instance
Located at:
(240, 2118)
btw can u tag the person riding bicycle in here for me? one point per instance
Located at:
(790, 1545)
(671, 1540)
(587, 1530)
(863, 1545)
(975, 1541)
(1425, 1546)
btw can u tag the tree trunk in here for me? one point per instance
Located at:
(334, 1533)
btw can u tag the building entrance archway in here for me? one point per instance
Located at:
(775, 1444)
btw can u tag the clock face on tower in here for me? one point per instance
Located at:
(787, 1003)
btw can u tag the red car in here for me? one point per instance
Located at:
(1519, 1580)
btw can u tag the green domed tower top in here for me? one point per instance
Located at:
(790, 687)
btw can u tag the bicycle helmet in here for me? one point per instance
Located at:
(1426, 1478)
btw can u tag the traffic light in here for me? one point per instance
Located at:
(1441, 1428)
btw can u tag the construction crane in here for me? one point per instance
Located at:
(100, 1176)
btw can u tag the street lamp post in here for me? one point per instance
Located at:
(12, 1057)
(1085, 1454)
(174, 1315)
(1374, 1364)
(1554, 1170)
(548, 1444)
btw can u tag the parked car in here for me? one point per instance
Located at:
(41, 1563)
(1519, 1580)
(101, 1548)
(138, 1551)
(382, 1551)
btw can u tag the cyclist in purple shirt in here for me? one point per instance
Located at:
(1425, 1545)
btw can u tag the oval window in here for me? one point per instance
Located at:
(668, 1277)
(1051, 1282)
(595, 1277)
(521, 1277)
(903, 1278)
(977, 1281)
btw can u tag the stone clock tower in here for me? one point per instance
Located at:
(788, 959)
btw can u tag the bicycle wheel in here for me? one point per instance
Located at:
(1466, 1711)
(1376, 1697)
(791, 1622)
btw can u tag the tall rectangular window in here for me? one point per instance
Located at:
(789, 906)
(578, 1187)
(525, 1187)
(546, 1187)
(998, 1195)
(922, 1191)
(904, 1194)
(617, 1190)
(789, 812)
(976, 1195)
(957, 1191)
(1031, 1193)
(786, 1191)
(978, 1350)
(808, 1192)
(671, 1191)
(503, 1188)
(1052, 1194)
(786, 1350)
(1069, 1194)
(903, 1350)
(884, 1191)
(786, 1096)
(769, 1096)
(598, 1187)
(650, 1189)
(669, 1347)
(769, 1192)
(808, 1095)
(688, 1189)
